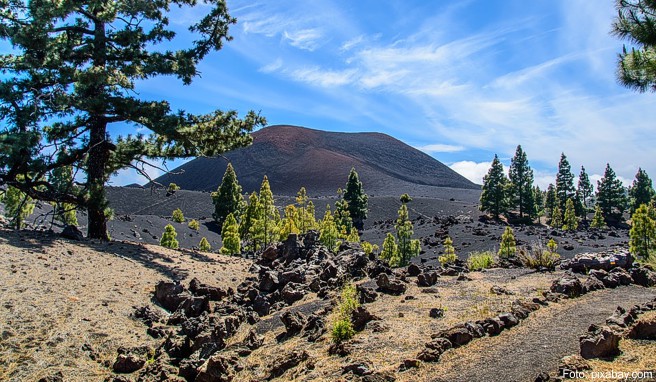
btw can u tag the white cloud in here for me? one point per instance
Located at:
(272, 66)
(474, 171)
(440, 148)
(350, 44)
(324, 78)
(306, 39)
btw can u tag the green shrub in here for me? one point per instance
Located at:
(369, 248)
(480, 260)
(342, 330)
(342, 327)
(540, 257)
(508, 246)
(178, 216)
(204, 245)
(172, 188)
(168, 237)
(194, 224)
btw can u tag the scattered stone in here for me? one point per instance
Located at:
(147, 315)
(366, 295)
(128, 363)
(568, 285)
(644, 329)
(268, 281)
(643, 276)
(436, 313)
(286, 362)
(390, 286)
(253, 340)
(509, 320)
(293, 321)
(293, 292)
(584, 262)
(341, 349)
(358, 368)
(314, 328)
(458, 335)
(493, 326)
(57, 377)
(169, 295)
(427, 279)
(429, 290)
(218, 368)
(463, 277)
(592, 284)
(434, 349)
(599, 342)
(572, 363)
(542, 377)
(408, 364)
(500, 291)
(360, 317)
(413, 270)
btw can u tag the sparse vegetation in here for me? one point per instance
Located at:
(538, 257)
(172, 188)
(369, 248)
(508, 247)
(264, 225)
(328, 231)
(399, 251)
(194, 224)
(598, 219)
(449, 256)
(230, 236)
(178, 216)
(204, 245)
(228, 198)
(571, 222)
(642, 236)
(168, 239)
(480, 260)
(18, 206)
(342, 327)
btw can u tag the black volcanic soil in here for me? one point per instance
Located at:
(293, 157)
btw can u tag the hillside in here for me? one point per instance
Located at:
(293, 157)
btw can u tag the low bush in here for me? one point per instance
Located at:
(194, 224)
(540, 257)
(342, 327)
(178, 216)
(480, 260)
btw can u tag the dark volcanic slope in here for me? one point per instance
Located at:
(320, 161)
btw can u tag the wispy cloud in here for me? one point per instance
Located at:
(440, 148)
(306, 39)
(272, 66)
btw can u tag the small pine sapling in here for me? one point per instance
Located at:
(642, 236)
(449, 256)
(168, 237)
(194, 224)
(571, 222)
(178, 216)
(230, 236)
(204, 245)
(598, 221)
(508, 246)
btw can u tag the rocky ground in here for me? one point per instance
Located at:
(124, 311)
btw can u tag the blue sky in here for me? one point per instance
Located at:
(459, 80)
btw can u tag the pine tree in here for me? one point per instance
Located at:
(635, 22)
(552, 246)
(521, 184)
(494, 196)
(18, 206)
(390, 251)
(178, 216)
(508, 246)
(406, 246)
(328, 231)
(449, 256)
(598, 219)
(610, 196)
(71, 79)
(556, 218)
(550, 200)
(306, 218)
(204, 245)
(570, 221)
(265, 227)
(585, 191)
(642, 236)
(168, 237)
(357, 200)
(230, 236)
(538, 197)
(250, 216)
(289, 224)
(228, 198)
(641, 191)
(342, 216)
(564, 182)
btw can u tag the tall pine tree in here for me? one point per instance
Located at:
(70, 81)
(611, 197)
(642, 237)
(357, 200)
(641, 191)
(264, 230)
(564, 182)
(584, 188)
(521, 184)
(550, 200)
(494, 197)
(228, 198)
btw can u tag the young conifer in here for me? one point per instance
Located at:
(642, 236)
(328, 231)
(168, 237)
(521, 183)
(449, 256)
(178, 216)
(598, 219)
(641, 191)
(611, 196)
(508, 246)
(494, 196)
(357, 200)
(227, 198)
(204, 245)
(570, 221)
(230, 236)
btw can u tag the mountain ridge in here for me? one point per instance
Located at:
(294, 156)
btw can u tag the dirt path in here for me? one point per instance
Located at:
(538, 343)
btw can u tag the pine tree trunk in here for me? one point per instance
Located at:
(98, 145)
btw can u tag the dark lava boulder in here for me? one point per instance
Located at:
(390, 285)
(584, 262)
(568, 285)
(599, 342)
(427, 279)
(169, 294)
